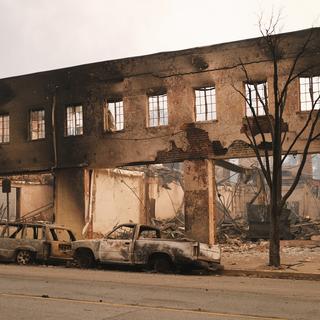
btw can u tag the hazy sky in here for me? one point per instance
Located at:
(39, 35)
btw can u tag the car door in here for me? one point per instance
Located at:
(60, 243)
(117, 246)
(10, 239)
(34, 240)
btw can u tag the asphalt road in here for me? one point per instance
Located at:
(40, 292)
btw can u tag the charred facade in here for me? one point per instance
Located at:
(166, 107)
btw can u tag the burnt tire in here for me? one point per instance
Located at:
(24, 257)
(85, 259)
(162, 264)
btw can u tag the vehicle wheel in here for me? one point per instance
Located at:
(85, 259)
(162, 264)
(24, 257)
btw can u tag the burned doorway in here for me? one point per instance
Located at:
(152, 194)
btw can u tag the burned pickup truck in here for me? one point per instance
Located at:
(135, 244)
(26, 243)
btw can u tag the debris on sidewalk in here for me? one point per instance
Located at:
(296, 255)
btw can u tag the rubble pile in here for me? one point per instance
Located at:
(305, 229)
(233, 237)
(236, 229)
(172, 228)
(235, 232)
(241, 246)
(301, 229)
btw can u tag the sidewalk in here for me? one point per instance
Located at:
(300, 259)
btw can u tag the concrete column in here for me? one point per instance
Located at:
(200, 200)
(70, 199)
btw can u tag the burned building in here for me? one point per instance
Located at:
(180, 106)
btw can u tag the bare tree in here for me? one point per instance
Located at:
(267, 131)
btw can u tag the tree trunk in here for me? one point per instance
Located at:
(274, 250)
(275, 210)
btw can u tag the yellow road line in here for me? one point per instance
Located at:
(141, 306)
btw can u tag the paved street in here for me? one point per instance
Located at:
(40, 292)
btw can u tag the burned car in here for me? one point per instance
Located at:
(26, 243)
(135, 244)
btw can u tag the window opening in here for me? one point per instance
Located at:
(114, 116)
(147, 233)
(4, 128)
(53, 235)
(205, 104)
(256, 96)
(37, 124)
(74, 121)
(15, 232)
(122, 233)
(309, 87)
(158, 110)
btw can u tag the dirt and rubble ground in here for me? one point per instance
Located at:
(297, 256)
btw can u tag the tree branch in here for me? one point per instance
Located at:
(303, 128)
(294, 65)
(284, 137)
(249, 102)
(303, 161)
(265, 106)
(266, 170)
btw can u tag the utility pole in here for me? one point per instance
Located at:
(6, 188)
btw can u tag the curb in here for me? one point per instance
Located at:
(270, 274)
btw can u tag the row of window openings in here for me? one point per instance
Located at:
(205, 106)
(114, 115)
(205, 109)
(37, 126)
(257, 96)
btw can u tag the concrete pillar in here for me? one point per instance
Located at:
(200, 200)
(70, 199)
